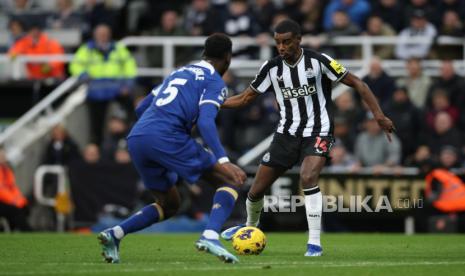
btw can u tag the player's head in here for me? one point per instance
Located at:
(218, 50)
(287, 35)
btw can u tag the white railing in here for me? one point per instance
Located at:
(38, 189)
(248, 68)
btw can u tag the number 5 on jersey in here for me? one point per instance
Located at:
(171, 91)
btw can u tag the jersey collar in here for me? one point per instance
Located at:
(206, 65)
(298, 60)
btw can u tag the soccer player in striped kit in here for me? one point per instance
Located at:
(302, 82)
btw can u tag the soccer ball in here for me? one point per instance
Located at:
(249, 241)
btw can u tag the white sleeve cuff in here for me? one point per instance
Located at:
(223, 160)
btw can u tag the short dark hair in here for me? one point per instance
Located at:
(288, 26)
(217, 45)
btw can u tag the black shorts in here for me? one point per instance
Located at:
(287, 151)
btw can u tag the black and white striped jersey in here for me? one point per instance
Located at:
(303, 92)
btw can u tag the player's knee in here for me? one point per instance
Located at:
(170, 210)
(309, 179)
(255, 196)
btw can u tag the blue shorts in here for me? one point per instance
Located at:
(161, 162)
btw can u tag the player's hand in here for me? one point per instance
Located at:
(387, 126)
(236, 174)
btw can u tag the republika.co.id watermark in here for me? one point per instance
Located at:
(342, 204)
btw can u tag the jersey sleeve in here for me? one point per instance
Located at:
(262, 80)
(332, 68)
(215, 93)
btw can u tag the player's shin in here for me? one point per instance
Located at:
(223, 204)
(254, 210)
(313, 207)
(145, 217)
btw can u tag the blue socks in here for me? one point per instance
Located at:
(145, 217)
(223, 204)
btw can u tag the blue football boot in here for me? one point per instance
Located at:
(313, 250)
(214, 247)
(110, 246)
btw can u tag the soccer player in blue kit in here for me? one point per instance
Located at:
(162, 149)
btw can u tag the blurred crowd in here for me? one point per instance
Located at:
(427, 112)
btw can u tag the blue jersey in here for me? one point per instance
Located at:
(176, 102)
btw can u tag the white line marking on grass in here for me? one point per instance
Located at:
(274, 266)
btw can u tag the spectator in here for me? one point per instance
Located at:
(449, 158)
(239, 20)
(122, 156)
(357, 10)
(379, 81)
(422, 159)
(341, 160)
(416, 82)
(95, 13)
(406, 118)
(377, 27)
(264, 10)
(346, 115)
(440, 103)
(444, 6)
(373, 149)
(342, 26)
(424, 5)
(65, 17)
(200, 19)
(37, 42)
(343, 132)
(111, 69)
(169, 27)
(444, 134)
(61, 150)
(451, 25)
(291, 8)
(91, 154)
(17, 31)
(450, 82)
(419, 28)
(12, 202)
(116, 136)
(311, 16)
(389, 11)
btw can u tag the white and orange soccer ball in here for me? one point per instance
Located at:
(249, 241)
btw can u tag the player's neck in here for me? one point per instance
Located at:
(295, 57)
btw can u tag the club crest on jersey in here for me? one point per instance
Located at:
(297, 92)
(309, 73)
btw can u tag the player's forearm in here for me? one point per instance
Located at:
(234, 102)
(208, 131)
(241, 100)
(370, 99)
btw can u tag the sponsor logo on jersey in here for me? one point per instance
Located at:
(298, 92)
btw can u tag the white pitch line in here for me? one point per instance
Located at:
(273, 266)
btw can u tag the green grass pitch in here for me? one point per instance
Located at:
(165, 254)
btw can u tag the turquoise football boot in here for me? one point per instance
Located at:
(110, 246)
(215, 248)
(229, 233)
